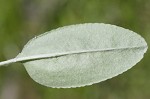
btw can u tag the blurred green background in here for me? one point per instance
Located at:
(21, 20)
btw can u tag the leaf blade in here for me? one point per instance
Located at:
(75, 69)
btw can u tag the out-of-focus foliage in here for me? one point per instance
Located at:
(21, 20)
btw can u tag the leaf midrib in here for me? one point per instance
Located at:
(55, 55)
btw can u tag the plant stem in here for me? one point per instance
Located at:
(8, 62)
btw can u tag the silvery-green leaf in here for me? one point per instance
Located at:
(83, 54)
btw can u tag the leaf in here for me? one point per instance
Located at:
(80, 55)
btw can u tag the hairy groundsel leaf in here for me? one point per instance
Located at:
(80, 55)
